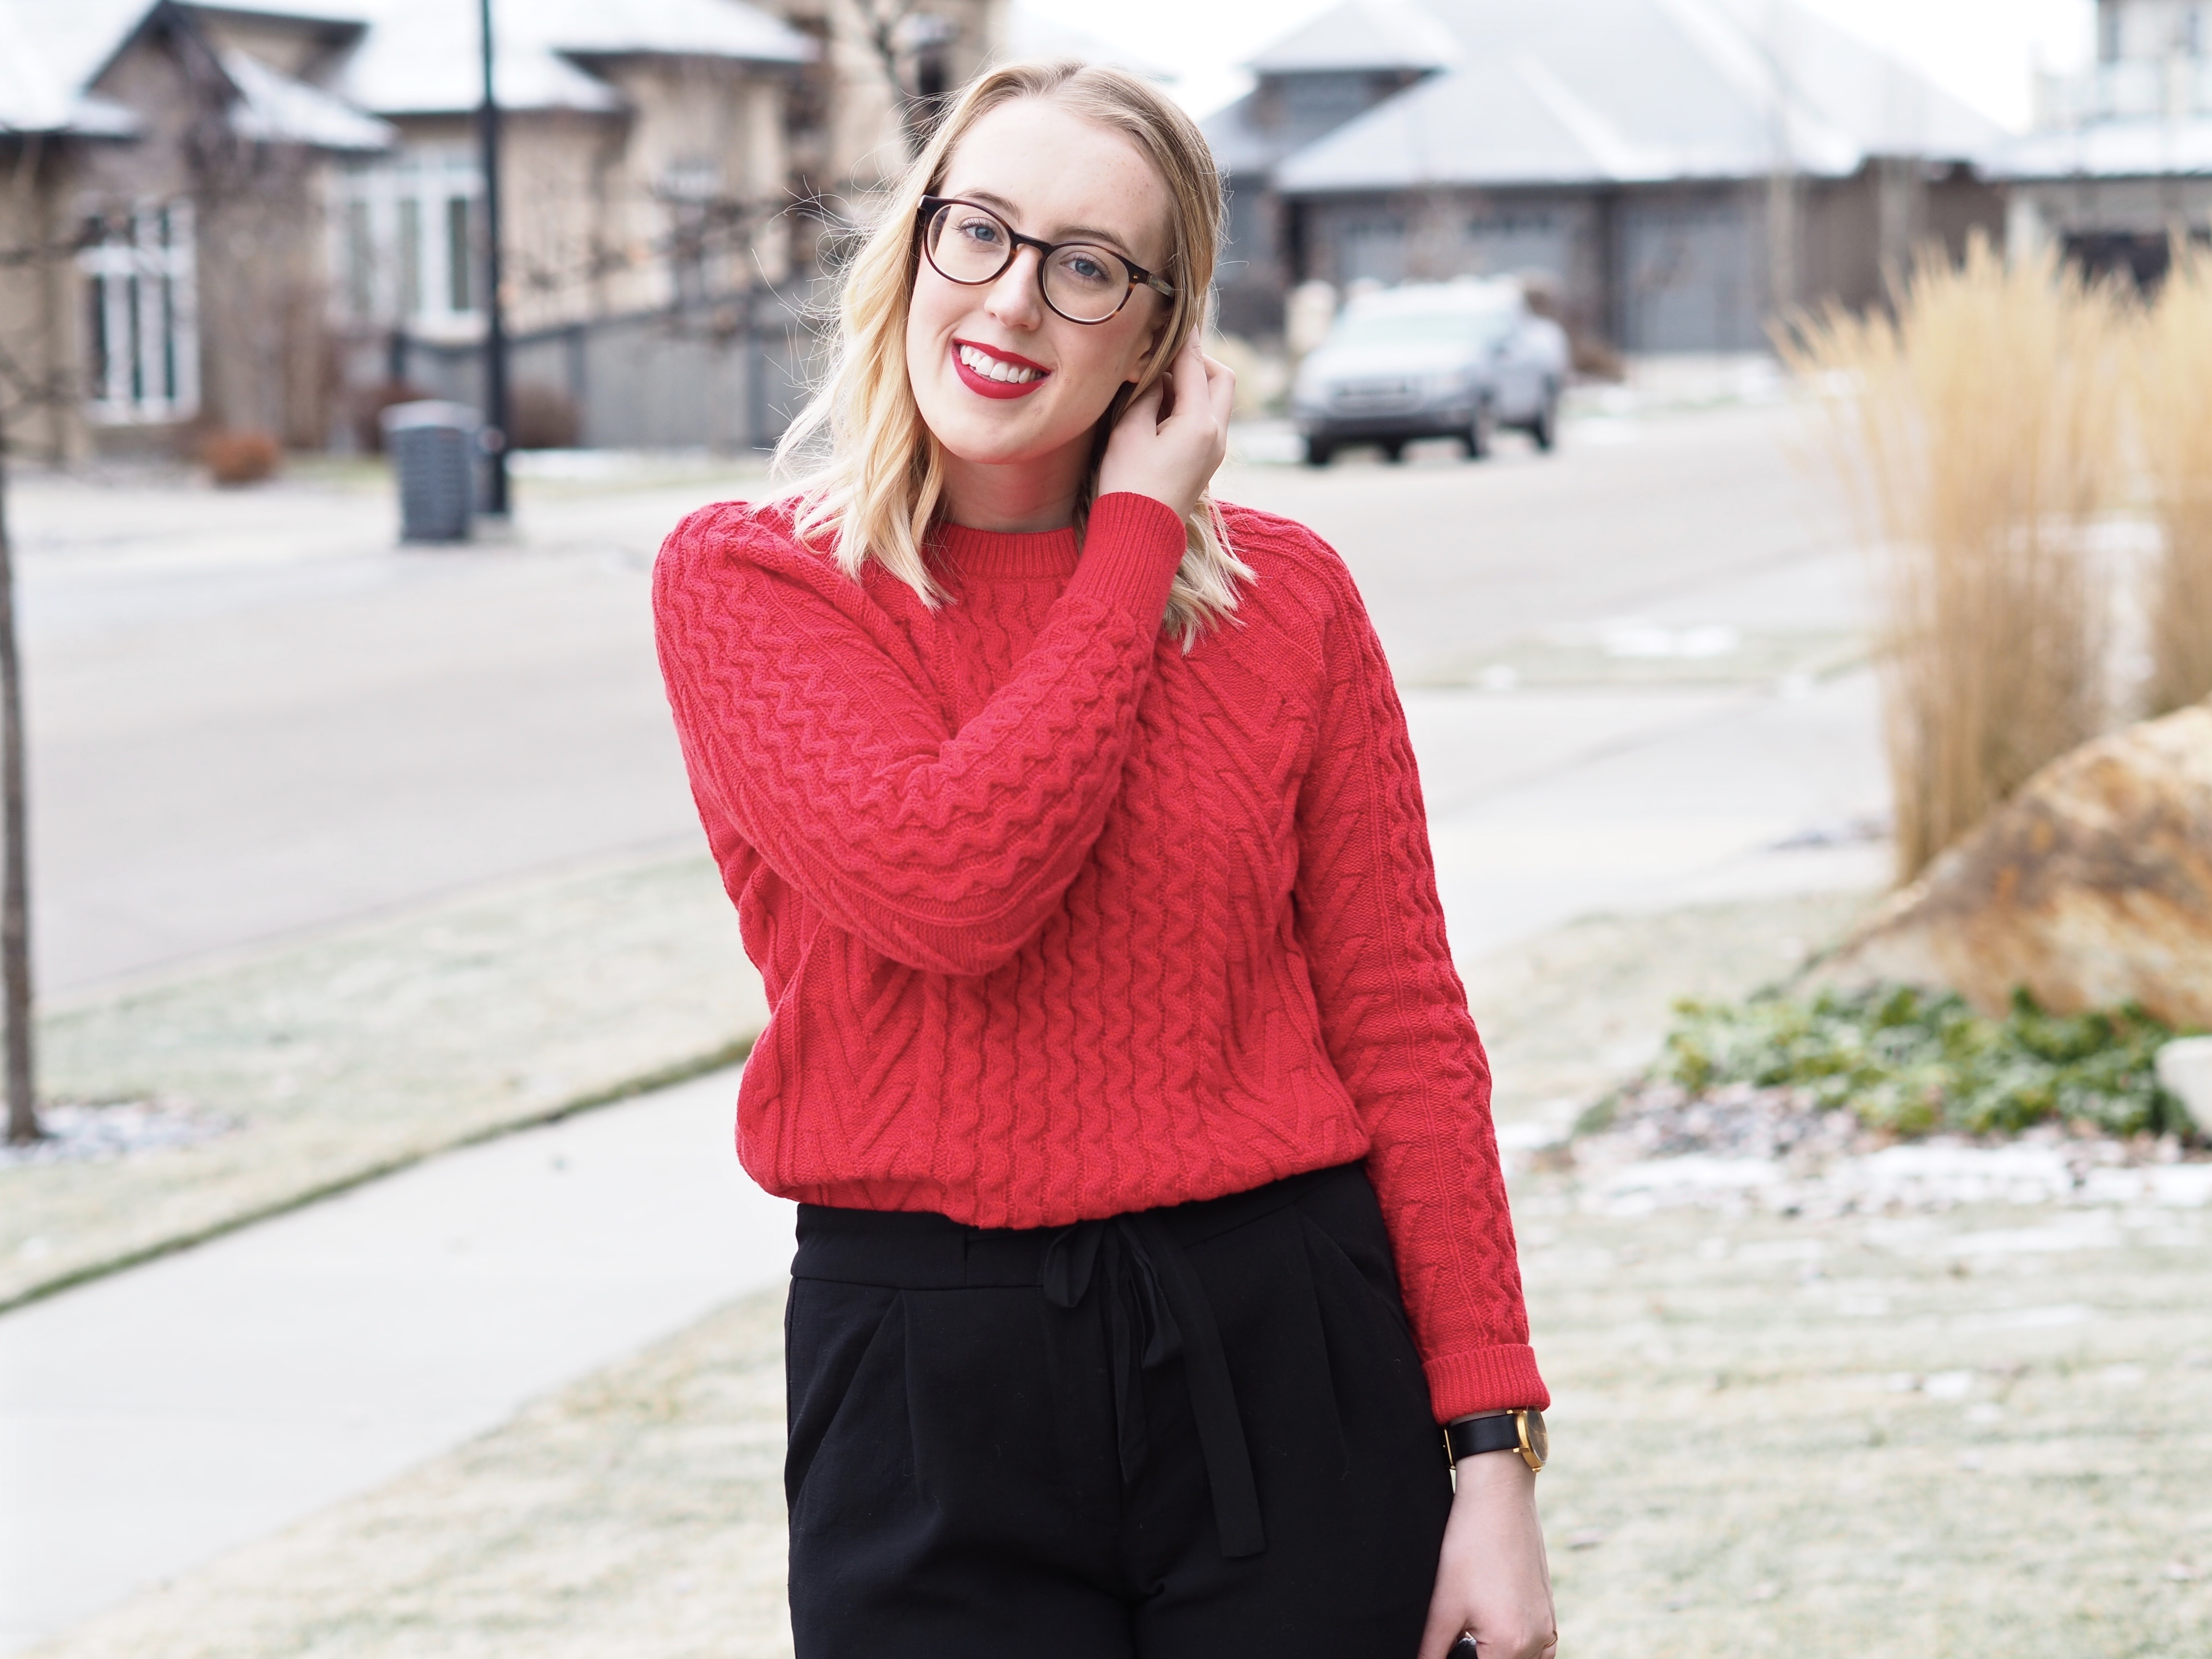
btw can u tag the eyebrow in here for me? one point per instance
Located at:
(1067, 233)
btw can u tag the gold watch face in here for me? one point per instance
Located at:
(1536, 1439)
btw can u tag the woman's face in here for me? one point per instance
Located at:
(1052, 175)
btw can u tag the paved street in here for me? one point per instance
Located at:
(251, 716)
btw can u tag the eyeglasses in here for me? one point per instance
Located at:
(1081, 281)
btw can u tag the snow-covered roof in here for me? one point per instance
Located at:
(1551, 92)
(2108, 150)
(274, 108)
(1363, 34)
(416, 57)
(48, 55)
(1029, 36)
(52, 56)
(421, 56)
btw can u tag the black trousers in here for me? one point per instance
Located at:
(1198, 1431)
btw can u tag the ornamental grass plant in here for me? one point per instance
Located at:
(1976, 426)
(2173, 384)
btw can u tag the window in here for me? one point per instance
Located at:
(411, 226)
(460, 257)
(410, 257)
(360, 261)
(2108, 31)
(143, 357)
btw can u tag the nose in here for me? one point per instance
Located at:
(1016, 297)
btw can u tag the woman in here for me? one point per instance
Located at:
(1071, 822)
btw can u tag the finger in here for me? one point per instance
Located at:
(1441, 1635)
(1221, 390)
(1145, 405)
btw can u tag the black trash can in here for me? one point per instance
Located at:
(435, 451)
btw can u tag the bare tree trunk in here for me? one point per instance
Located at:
(15, 876)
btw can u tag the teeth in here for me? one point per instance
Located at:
(992, 369)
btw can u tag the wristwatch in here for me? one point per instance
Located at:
(1520, 1431)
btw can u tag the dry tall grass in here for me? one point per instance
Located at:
(1975, 431)
(2173, 401)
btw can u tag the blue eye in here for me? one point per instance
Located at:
(985, 231)
(1087, 266)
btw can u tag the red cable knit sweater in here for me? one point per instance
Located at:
(1061, 920)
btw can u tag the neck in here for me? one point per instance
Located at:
(1012, 497)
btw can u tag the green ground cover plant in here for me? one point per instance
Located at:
(1912, 1061)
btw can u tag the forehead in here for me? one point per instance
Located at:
(1062, 175)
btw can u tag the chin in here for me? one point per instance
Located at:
(995, 436)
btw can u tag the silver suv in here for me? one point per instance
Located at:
(1436, 360)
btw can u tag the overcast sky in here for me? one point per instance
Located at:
(1982, 50)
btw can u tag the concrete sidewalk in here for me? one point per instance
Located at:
(151, 1421)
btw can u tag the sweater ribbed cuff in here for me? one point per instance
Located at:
(1131, 548)
(1500, 1378)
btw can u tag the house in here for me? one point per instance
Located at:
(265, 213)
(1678, 169)
(160, 203)
(2120, 159)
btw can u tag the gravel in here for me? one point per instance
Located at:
(1740, 1147)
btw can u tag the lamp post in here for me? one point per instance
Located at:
(494, 316)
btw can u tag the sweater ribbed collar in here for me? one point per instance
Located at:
(992, 553)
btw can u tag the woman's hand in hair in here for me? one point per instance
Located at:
(1172, 456)
(1493, 1580)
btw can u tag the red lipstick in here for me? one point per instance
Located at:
(984, 386)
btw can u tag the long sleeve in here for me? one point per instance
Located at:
(818, 738)
(1395, 1024)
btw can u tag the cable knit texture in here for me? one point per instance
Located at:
(1059, 921)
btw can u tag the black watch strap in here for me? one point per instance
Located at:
(1471, 1436)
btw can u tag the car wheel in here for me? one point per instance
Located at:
(1476, 439)
(1319, 452)
(1544, 429)
(1394, 450)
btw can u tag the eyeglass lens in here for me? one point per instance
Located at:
(1083, 283)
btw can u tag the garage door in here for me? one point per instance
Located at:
(1692, 277)
(1503, 244)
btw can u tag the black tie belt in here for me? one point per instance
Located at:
(1154, 1307)
(1150, 1291)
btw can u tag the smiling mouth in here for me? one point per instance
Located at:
(993, 375)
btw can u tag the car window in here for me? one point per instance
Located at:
(1396, 328)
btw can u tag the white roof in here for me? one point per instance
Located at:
(1029, 36)
(1630, 91)
(1363, 34)
(2108, 150)
(421, 56)
(49, 53)
(275, 109)
(416, 57)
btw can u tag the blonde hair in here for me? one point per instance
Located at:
(867, 468)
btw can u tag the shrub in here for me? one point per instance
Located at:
(542, 416)
(236, 459)
(1910, 1061)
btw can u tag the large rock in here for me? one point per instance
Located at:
(2092, 886)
